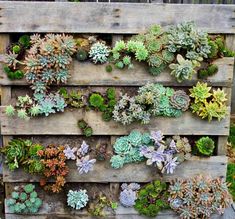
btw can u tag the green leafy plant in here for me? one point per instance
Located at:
(199, 197)
(230, 179)
(152, 198)
(207, 104)
(205, 146)
(24, 199)
(86, 129)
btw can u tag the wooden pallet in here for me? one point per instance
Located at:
(115, 19)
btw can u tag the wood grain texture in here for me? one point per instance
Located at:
(214, 166)
(85, 73)
(110, 17)
(66, 124)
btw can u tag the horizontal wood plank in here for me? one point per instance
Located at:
(86, 73)
(214, 166)
(66, 124)
(119, 18)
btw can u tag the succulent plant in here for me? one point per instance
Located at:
(128, 195)
(85, 128)
(24, 199)
(97, 101)
(77, 199)
(210, 70)
(205, 146)
(81, 55)
(184, 69)
(207, 104)
(108, 68)
(180, 100)
(99, 53)
(152, 198)
(198, 197)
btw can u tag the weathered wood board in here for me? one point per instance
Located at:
(66, 124)
(110, 17)
(86, 73)
(215, 166)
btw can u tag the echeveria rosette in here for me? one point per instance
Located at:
(122, 145)
(77, 199)
(85, 164)
(117, 161)
(83, 150)
(205, 146)
(157, 137)
(70, 153)
(180, 100)
(200, 92)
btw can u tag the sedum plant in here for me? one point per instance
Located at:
(205, 146)
(99, 53)
(152, 100)
(208, 104)
(54, 161)
(199, 197)
(24, 200)
(155, 41)
(77, 199)
(85, 128)
(152, 198)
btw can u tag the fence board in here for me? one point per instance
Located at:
(85, 73)
(110, 17)
(215, 166)
(66, 124)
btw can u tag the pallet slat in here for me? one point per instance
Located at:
(110, 17)
(215, 166)
(90, 74)
(66, 124)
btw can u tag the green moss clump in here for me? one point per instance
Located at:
(205, 146)
(230, 178)
(152, 199)
(209, 71)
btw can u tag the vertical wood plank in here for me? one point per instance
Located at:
(222, 145)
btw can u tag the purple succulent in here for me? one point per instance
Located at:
(157, 136)
(172, 145)
(170, 164)
(157, 156)
(83, 150)
(127, 197)
(69, 153)
(146, 151)
(132, 186)
(85, 164)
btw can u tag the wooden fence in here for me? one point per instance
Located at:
(116, 19)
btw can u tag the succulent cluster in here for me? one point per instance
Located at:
(165, 155)
(85, 128)
(155, 41)
(186, 39)
(99, 52)
(24, 199)
(128, 195)
(198, 197)
(152, 100)
(101, 151)
(124, 52)
(73, 98)
(208, 104)
(77, 199)
(83, 161)
(210, 70)
(54, 161)
(101, 204)
(41, 104)
(152, 198)
(127, 149)
(205, 146)
(104, 103)
(23, 153)
(15, 54)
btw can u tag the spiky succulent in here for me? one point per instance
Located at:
(152, 198)
(24, 199)
(207, 104)
(205, 146)
(99, 53)
(77, 199)
(199, 197)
